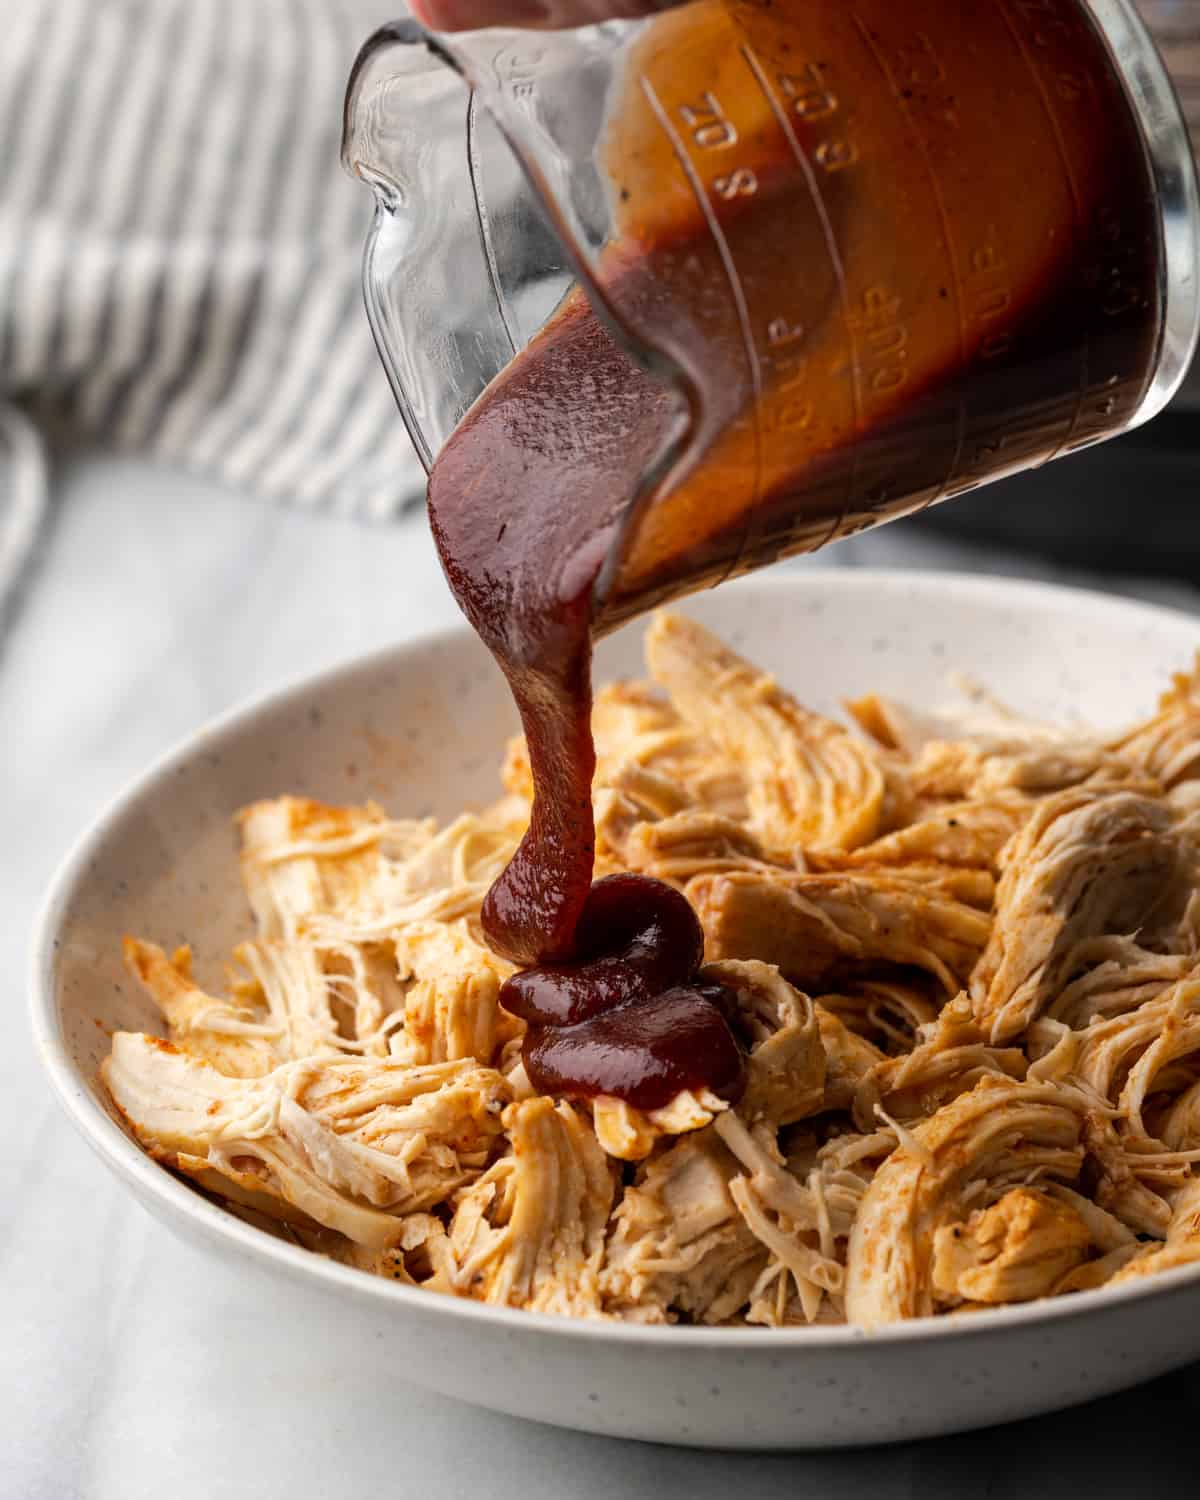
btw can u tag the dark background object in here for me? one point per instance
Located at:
(1129, 506)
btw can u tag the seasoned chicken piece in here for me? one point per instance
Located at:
(1145, 1065)
(630, 1134)
(896, 726)
(516, 774)
(801, 1224)
(530, 1232)
(1043, 771)
(794, 1222)
(1119, 1181)
(676, 847)
(1089, 863)
(447, 879)
(651, 824)
(985, 751)
(629, 717)
(1117, 975)
(291, 1006)
(418, 1256)
(785, 1065)
(1123, 1059)
(1178, 1123)
(300, 857)
(349, 1143)
(888, 1013)
(290, 980)
(951, 1057)
(314, 991)
(634, 795)
(431, 994)
(637, 797)
(636, 730)
(1182, 1245)
(971, 834)
(421, 1257)
(368, 994)
(452, 1006)
(813, 925)
(802, 1207)
(238, 1039)
(957, 769)
(352, 875)
(1167, 746)
(849, 1162)
(978, 719)
(1014, 1251)
(1105, 1230)
(454, 1016)
(677, 1243)
(975, 888)
(999, 1136)
(849, 1059)
(811, 784)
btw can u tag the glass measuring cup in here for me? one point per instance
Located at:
(852, 259)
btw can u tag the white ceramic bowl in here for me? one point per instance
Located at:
(420, 727)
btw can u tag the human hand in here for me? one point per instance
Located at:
(546, 15)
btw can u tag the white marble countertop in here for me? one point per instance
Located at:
(133, 1367)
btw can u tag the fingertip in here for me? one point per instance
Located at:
(423, 12)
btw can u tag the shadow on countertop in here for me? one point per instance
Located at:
(1135, 1443)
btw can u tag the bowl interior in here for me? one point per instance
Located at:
(420, 728)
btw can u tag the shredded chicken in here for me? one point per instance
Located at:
(678, 1246)
(1017, 1250)
(815, 927)
(999, 1136)
(888, 1012)
(949, 1058)
(1182, 1244)
(353, 1145)
(530, 1231)
(810, 783)
(1089, 863)
(963, 950)
(1167, 747)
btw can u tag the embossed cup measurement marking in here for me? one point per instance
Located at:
(708, 124)
(807, 92)
(727, 137)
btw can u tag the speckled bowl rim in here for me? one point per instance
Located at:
(194, 1212)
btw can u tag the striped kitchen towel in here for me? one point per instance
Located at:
(180, 249)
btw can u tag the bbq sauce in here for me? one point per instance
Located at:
(908, 309)
(628, 1016)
